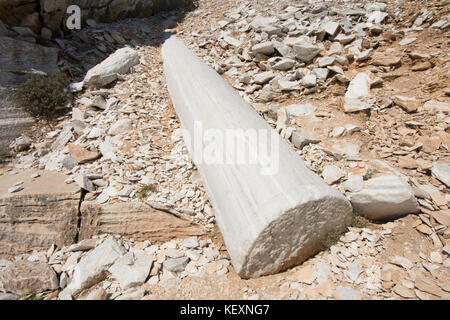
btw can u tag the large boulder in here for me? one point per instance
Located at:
(24, 277)
(93, 267)
(45, 212)
(106, 72)
(384, 197)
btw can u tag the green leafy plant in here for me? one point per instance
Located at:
(143, 193)
(41, 95)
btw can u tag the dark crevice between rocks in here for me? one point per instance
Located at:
(77, 234)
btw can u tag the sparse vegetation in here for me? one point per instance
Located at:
(41, 95)
(333, 237)
(4, 155)
(359, 222)
(143, 193)
(30, 296)
(369, 174)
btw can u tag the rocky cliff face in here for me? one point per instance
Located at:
(26, 30)
(51, 14)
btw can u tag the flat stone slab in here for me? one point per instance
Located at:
(136, 220)
(43, 213)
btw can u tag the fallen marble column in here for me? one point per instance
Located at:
(273, 212)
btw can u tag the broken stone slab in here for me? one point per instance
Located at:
(437, 106)
(358, 89)
(135, 220)
(354, 183)
(176, 264)
(132, 274)
(107, 71)
(284, 64)
(409, 104)
(121, 126)
(441, 171)
(25, 277)
(384, 197)
(93, 267)
(266, 223)
(300, 141)
(306, 52)
(301, 109)
(82, 155)
(332, 174)
(265, 48)
(42, 214)
(84, 182)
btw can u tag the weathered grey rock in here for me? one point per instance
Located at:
(326, 61)
(331, 174)
(264, 77)
(306, 52)
(190, 243)
(121, 126)
(24, 277)
(376, 17)
(21, 143)
(106, 72)
(309, 80)
(265, 48)
(84, 182)
(441, 171)
(282, 48)
(177, 264)
(354, 183)
(284, 64)
(301, 109)
(331, 28)
(358, 89)
(44, 213)
(232, 41)
(131, 275)
(321, 73)
(384, 197)
(286, 85)
(266, 223)
(92, 268)
(300, 141)
(262, 22)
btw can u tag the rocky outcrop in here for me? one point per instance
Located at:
(43, 213)
(15, 62)
(51, 14)
(135, 220)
